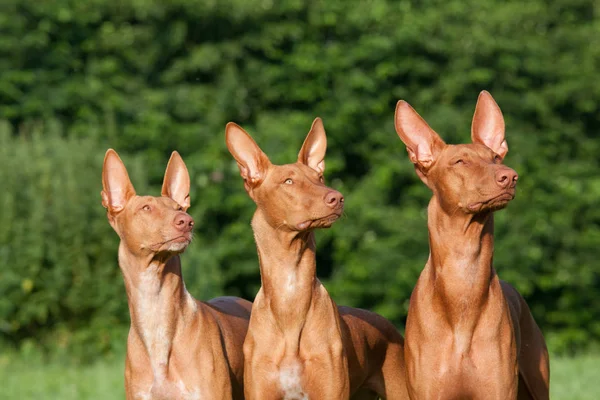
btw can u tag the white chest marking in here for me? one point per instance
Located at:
(291, 283)
(290, 382)
(170, 390)
(193, 394)
(143, 396)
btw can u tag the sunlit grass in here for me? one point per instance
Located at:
(27, 380)
(572, 379)
(575, 378)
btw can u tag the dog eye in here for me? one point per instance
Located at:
(321, 179)
(288, 181)
(146, 208)
(179, 208)
(497, 159)
(459, 161)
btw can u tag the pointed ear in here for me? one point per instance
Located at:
(117, 188)
(251, 160)
(176, 183)
(313, 150)
(488, 125)
(422, 143)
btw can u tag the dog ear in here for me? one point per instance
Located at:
(176, 183)
(313, 150)
(422, 143)
(117, 188)
(251, 160)
(488, 125)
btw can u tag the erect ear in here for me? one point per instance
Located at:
(251, 160)
(488, 124)
(117, 188)
(176, 183)
(313, 150)
(422, 143)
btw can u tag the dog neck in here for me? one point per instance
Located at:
(287, 268)
(158, 301)
(461, 253)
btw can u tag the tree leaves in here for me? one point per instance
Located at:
(147, 78)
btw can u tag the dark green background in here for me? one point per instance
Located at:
(148, 77)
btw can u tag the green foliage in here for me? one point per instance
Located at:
(61, 285)
(148, 77)
(57, 251)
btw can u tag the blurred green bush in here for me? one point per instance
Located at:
(147, 77)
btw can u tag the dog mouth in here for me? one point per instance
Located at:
(176, 244)
(180, 239)
(322, 222)
(492, 204)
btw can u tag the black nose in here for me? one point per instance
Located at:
(183, 222)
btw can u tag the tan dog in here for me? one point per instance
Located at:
(469, 335)
(297, 345)
(178, 347)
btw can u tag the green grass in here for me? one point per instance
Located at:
(28, 380)
(572, 379)
(575, 378)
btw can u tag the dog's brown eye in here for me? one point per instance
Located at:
(497, 159)
(321, 179)
(288, 181)
(459, 161)
(146, 208)
(179, 208)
